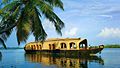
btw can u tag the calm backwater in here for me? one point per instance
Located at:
(16, 58)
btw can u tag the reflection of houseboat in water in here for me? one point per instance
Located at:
(63, 62)
(71, 46)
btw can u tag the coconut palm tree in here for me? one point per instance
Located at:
(25, 16)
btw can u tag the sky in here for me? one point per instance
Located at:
(96, 20)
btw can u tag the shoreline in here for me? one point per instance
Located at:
(105, 46)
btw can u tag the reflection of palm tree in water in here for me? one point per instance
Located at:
(67, 62)
(0, 56)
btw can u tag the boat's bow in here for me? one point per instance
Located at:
(97, 50)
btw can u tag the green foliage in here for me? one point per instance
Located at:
(26, 15)
(108, 46)
(112, 46)
(2, 42)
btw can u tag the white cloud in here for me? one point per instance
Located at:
(113, 9)
(71, 32)
(95, 8)
(108, 16)
(110, 32)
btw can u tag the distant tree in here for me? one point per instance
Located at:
(25, 16)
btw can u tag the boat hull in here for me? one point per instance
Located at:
(68, 52)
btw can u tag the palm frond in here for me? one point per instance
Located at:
(7, 24)
(11, 6)
(25, 16)
(38, 30)
(48, 12)
(3, 43)
(55, 3)
(24, 24)
(23, 29)
(6, 27)
(5, 1)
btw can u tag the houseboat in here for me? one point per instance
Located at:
(63, 46)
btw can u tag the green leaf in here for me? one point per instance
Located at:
(11, 6)
(23, 29)
(38, 30)
(48, 12)
(55, 3)
(2, 42)
(26, 15)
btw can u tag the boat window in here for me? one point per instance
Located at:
(50, 46)
(32, 47)
(40, 46)
(63, 45)
(53, 45)
(82, 45)
(72, 45)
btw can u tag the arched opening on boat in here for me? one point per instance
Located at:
(72, 45)
(63, 45)
(83, 44)
(33, 47)
(39, 47)
(52, 46)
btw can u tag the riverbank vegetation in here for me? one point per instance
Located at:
(105, 46)
(108, 46)
(112, 46)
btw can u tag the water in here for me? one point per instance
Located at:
(109, 58)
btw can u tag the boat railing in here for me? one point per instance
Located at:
(101, 46)
(94, 47)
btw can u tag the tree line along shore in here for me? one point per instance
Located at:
(113, 46)
(110, 46)
(105, 46)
